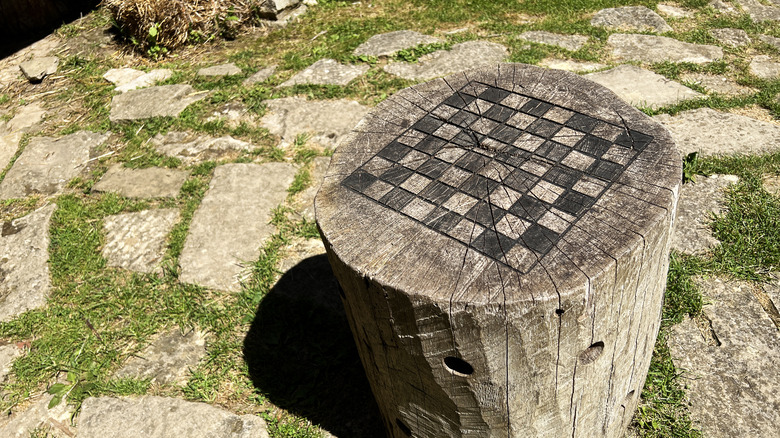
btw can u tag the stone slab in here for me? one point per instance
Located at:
(772, 41)
(326, 121)
(9, 66)
(136, 241)
(697, 203)
(305, 199)
(47, 164)
(764, 67)
(127, 79)
(151, 182)
(674, 11)
(38, 418)
(26, 118)
(387, 44)
(232, 223)
(712, 132)
(772, 185)
(233, 114)
(8, 354)
(568, 42)
(163, 417)
(462, 56)
(38, 68)
(569, 65)
(228, 69)
(326, 72)
(168, 360)
(731, 37)
(642, 88)
(633, 18)
(652, 49)
(260, 76)
(758, 11)
(307, 276)
(717, 84)
(193, 148)
(731, 374)
(159, 101)
(24, 268)
(723, 7)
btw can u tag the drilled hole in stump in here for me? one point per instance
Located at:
(458, 366)
(404, 428)
(591, 353)
(559, 312)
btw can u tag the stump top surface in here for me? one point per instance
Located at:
(496, 181)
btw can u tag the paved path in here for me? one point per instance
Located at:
(233, 220)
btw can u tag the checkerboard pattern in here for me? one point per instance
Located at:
(502, 172)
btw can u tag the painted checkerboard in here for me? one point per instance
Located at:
(502, 172)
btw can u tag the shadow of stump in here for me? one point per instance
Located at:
(301, 354)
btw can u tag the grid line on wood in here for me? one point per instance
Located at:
(502, 172)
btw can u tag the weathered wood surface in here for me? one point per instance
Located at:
(501, 237)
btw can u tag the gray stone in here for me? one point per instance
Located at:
(387, 44)
(730, 365)
(462, 56)
(228, 69)
(24, 268)
(272, 8)
(674, 11)
(233, 114)
(731, 37)
(722, 6)
(127, 79)
(697, 203)
(232, 223)
(326, 121)
(326, 72)
(711, 132)
(305, 200)
(55, 422)
(772, 185)
(163, 417)
(763, 67)
(26, 117)
(652, 49)
(168, 360)
(9, 353)
(159, 101)
(260, 76)
(193, 148)
(638, 18)
(152, 182)
(47, 164)
(38, 68)
(569, 65)
(9, 144)
(717, 84)
(772, 41)
(759, 12)
(642, 88)
(9, 66)
(568, 42)
(136, 241)
(307, 277)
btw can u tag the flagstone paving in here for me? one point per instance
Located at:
(643, 88)
(462, 56)
(764, 67)
(698, 201)
(326, 72)
(8, 353)
(169, 359)
(228, 69)
(652, 48)
(731, 37)
(136, 241)
(573, 66)
(388, 44)
(159, 101)
(260, 76)
(772, 41)
(127, 79)
(38, 417)
(151, 182)
(635, 18)
(568, 42)
(194, 148)
(717, 84)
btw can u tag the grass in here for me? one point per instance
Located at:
(98, 316)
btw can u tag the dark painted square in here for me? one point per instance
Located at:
(539, 238)
(472, 162)
(528, 207)
(493, 244)
(464, 139)
(428, 124)
(535, 107)
(593, 146)
(463, 118)
(478, 186)
(574, 203)
(442, 220)
(359, 180)
(520, 180)
(493, 94)
(552, 150)
(513, 156)
(433, 168)
(437, 192)
(397, 199)
(459, 100)
(396, 175)
(394, 151)
(486, 214)
(499, 113)
(634, 140)
(506, 133)
(430, 145)
(605, 170)
(543, 128)
(563, 176)
(581, 122)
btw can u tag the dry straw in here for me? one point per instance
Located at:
(172, 23)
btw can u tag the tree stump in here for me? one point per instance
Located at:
(501, 237)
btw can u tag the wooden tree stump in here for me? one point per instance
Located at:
(501, 237)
